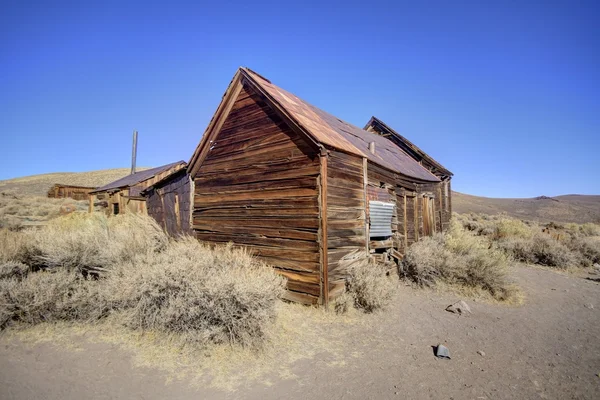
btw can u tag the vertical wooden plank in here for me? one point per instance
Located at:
(324, 255)
(416, 214)
(92, 197)
(405, 225)
(177, 216)
(164, 213)
(365, 184)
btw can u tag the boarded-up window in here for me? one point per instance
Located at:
(380, 218)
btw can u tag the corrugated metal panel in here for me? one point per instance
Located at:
(380, 218)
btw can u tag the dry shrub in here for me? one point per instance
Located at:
(220, 295)
(587, 249)
(58, 295)
(541, 249)
(13, 269)
(589, 229)
(369, 286)
(92, 242)
(553, 245)
(458, 258)
(509, 227)
(12, 246)
(182, 287)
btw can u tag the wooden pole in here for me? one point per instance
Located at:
(134, 152)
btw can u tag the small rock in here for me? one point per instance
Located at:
(442, 351)
(460, 308)
(590, 306)
(597, 266)
(481, 353)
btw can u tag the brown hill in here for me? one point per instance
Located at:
(38, 185)
(567, 208)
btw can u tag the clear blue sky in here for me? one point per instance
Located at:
(507, 96)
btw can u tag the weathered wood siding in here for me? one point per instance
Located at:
(170, 203)
(258, 187)
(59, 191)
(346, 233)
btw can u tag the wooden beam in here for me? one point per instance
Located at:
(405, 227)
(324, 255)
(365, 184)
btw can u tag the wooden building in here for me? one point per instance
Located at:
(124, 195)
(169, 201)
(445, 195)
(305, 191)
(60, 191)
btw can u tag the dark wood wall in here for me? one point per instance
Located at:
(346, 234)
(258, 187)
(170, 202)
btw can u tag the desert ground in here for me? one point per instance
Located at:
(547, 348)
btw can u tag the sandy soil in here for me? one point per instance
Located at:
(548, 348)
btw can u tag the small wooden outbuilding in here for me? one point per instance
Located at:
(60, 191)
(305, 191)
(169, 201)
(124, 195)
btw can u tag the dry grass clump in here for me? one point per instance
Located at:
(16, 210)
(218, 295)
(459, 258)
(368, 287)
(184, 288)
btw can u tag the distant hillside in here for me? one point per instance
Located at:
(567, 208)
(38, 185)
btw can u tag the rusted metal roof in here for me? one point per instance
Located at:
(331, 131)
(137, 177)
(409, 147)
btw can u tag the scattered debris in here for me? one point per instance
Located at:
(442, 351)
(589, 305)
(460, 308)
(481, 353)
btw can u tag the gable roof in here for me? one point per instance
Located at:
(134, 179)
(409, 147)
(317, 125)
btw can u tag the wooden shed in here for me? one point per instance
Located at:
(169, 201)
(60, 191)
(124, 195)
(445, 189)
(305, 191)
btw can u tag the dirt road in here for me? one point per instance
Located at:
(548, 348)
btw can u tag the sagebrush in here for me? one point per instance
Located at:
(85, 267)
(459, 258)
(369, 287)
(554, 245)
